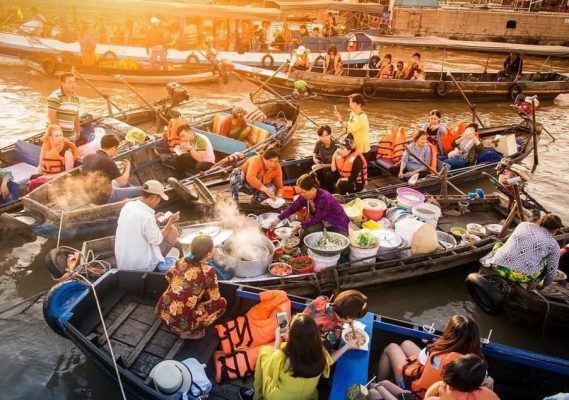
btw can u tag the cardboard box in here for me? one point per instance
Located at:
(506, 145)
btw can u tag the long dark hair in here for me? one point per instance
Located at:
(304, 348)
(461, 335)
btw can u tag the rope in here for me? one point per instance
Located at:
(546, 312)
(87, 265)
(60, 228)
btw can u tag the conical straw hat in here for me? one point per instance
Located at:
(424, 240)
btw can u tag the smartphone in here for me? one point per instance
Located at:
(163, 218)
(282, 322)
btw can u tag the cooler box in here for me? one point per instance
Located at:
(506, 145)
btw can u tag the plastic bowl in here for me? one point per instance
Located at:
(476, 229)
(287, 269)
(302, 270)
(408, 197)
(458, 231)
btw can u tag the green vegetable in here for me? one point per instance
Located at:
(364, 239)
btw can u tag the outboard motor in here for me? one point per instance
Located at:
(177, 93)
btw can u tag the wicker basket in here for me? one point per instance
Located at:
(312, 239)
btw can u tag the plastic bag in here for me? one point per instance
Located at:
(354, 209)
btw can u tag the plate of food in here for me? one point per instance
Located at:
(494, 228)
(470, 239)
(476, 229)
(356, 332)
(280, 269)
(284, 232)
(458, 231)
(560, 276)
(276, 203)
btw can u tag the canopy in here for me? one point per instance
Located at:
(292, 5)
(495, 47)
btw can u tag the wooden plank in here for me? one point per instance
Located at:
(107, 305)
(118, 322)
(174, 349)
(138, 349)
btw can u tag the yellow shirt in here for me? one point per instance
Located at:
(274, 380)
(358, 126)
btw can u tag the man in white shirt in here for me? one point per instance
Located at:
(139, 242)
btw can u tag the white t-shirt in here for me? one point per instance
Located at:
(138, 238)
(423, 357)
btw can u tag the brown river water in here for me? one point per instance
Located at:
(37, 364)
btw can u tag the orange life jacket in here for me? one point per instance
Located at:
(302, 60)
(171, 134)
(448, 139)
(52, 162)
(386, 72)
(392, 145)
(288, 192)
(434, 153)
(237, 364)
(428, 373)
(344, 167)
(257, 327)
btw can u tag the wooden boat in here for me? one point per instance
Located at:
(139, 341)
(132, 71)
(547, 307)
(49, 212)
(388, 268)
(477, 86)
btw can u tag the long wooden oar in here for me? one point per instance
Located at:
(472, 107)
(271, 77)
(438, 175)
(141, 97)
(104, 96)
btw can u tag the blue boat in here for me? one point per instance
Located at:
(139, 341)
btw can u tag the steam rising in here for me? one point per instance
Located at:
(77, 191)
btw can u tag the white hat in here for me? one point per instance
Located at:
(300, 50)
(154, 187)
(171, 376)
(154, 20)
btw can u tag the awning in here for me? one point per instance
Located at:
(305, 5)
(493, 47)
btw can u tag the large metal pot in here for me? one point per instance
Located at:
(251, 262)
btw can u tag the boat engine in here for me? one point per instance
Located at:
(177, 93)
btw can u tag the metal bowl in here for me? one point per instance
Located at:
(312, 239)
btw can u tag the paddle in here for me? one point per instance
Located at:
(534, 137)
(104, 96)
(272, 76)
(472, 107)
(133, 90)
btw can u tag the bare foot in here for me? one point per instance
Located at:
(200, 333)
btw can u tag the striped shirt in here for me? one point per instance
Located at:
(67, 108)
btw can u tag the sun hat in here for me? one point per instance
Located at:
(171, 376)
(154, 187)
(347, 143)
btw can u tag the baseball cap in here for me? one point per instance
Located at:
(154, 187)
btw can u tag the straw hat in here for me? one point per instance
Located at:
(300, 50)
(171, 376)
(424, 240)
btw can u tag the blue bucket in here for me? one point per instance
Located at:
(168, 263)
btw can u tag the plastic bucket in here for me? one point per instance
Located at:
(357, 253)
(168, 263)
(323, 262)
(408, 198)
(374, 209)
(428, 213)
(388, 242)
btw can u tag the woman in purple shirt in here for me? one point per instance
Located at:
(321, 205)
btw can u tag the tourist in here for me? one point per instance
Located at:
(114, 185)
(303, 32)
(63, 108)
(8, 188)
(300, 59)
(88, 45)
(192, 301)
(348, 306)
(436, 130)
(322, 155)
(421, 149)
(315, 32)
(530, 254)
(351, 167)
(418, 75)
(513, 66)
(465, 148)
(399, 73)
(260, 176)
(332, 24)
(415, 369)
(358, 123)
(292, 370)
(385, 68)
(321, 206)
(412, 66)
(194, 153)
(57, 153)
(463, 378)
(139, 242)
(235, 126)
(156, 44)
(333, 61)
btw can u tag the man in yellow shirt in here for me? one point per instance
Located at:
(358, 124)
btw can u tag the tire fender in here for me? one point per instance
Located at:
(369, 90)
(109, 56)
(442, 88)
(192, 59)
(58, 300)
(485, 294)
(267, 60)
(514, 91)
(49, 66)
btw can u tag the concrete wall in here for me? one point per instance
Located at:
(531, 27)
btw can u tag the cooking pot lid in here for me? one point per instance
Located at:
(217, 234)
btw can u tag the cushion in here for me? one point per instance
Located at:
(217, 121)
(386, 163)
(22, 172)
(259, 134)
(27, 153)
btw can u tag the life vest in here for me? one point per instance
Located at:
(386, 72)
(288, 192)
(434, 153)
(392, 145)
(257, 327)
(302, 60)
(428, 373)
(345, 166)
(242, 338)
(171, 134)
(52, 162)
(238, 364)
(448, 139)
